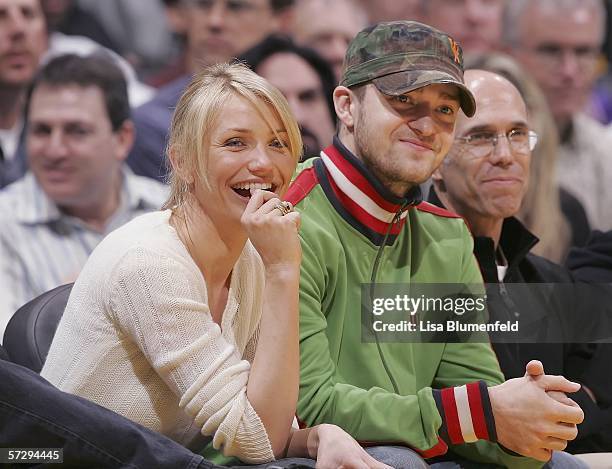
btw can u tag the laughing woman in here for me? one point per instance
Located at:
(186, 320)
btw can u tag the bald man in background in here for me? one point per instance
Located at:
(484, 179)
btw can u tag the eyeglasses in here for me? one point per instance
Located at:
(553, 55)
(481, 144)
(483, 5)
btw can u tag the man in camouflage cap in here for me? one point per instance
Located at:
(398, 59)
(363, 222)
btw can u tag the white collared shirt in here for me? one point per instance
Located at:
(9, 140)
(42, 248)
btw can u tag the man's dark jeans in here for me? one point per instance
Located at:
(33, 413)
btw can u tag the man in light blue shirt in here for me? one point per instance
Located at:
(78, 188)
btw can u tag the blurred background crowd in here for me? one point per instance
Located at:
(70, 171)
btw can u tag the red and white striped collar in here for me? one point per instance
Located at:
(361, 194)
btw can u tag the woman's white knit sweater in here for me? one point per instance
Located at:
(137, 337)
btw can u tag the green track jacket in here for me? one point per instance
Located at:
(407, 393)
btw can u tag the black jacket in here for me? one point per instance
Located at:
(576, 217)
(593, 263)
(577, 362)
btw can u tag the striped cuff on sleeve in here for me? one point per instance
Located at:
(466, 413)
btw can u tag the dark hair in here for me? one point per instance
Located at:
(276, 44)
(280, 5)
(97, 69)
(276, 5)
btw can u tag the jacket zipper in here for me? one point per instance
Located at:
(396, 219)
(503, 292)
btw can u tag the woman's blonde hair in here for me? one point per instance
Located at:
(541, 208)
(196, 115)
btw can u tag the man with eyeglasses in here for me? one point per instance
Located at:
(559, 43)
(215, 31)
(484, 178)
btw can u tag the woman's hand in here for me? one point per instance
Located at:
(337, 449)
(274, 235)
(274, 378)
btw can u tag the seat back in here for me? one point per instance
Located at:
(3, 354)
(29, 333)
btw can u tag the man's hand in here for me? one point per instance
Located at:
(528, 420)
(337, 449)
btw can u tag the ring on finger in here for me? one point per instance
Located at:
(284, 208)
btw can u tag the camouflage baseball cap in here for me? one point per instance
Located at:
(402, 56)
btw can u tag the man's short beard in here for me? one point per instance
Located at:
(388, 178)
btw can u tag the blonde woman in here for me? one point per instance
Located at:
(186, 320)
